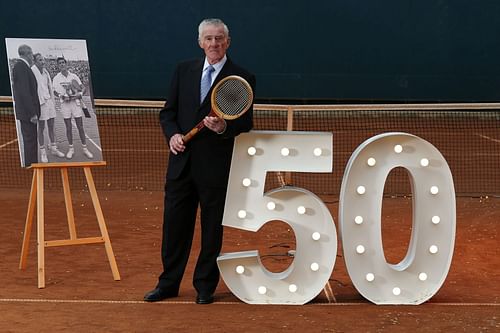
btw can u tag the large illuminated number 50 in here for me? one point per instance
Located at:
(423, 270)
(248, 208)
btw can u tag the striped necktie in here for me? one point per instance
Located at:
(206, 82)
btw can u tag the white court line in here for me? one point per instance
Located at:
(140, 150)
(93, 142)
(97, 301)
(428, 304)
(488, 138)
(88, 138)
(8, 143)
(329, 293)
(114, 150)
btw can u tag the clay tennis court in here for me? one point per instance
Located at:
(81, 295)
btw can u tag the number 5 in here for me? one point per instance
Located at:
(248, 208)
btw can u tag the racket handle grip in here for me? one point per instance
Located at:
(193, 132)
(190, 135)
(197, 128)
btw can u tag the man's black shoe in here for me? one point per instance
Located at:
(157, 295)
(204, 299)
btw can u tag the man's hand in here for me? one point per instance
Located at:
(216, 124)
(177, 144)
(34, 119)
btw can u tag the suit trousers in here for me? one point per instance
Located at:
(183, 195)
(30, 142)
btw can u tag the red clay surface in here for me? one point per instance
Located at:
(81, 295)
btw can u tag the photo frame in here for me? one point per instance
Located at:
(53, 101)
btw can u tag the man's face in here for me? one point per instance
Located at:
(39, 61)
(214, 42)
(62, 65)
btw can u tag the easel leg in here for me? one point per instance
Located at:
(69, 203)
(102, 224)
(29, 222)
(40, 229)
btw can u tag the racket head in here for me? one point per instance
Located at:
(231, 97)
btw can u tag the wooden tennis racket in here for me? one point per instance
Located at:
(231, 97)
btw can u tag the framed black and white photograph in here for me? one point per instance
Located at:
(53, 101)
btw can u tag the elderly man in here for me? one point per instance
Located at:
(198, 171)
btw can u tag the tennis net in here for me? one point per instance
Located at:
(468, 136)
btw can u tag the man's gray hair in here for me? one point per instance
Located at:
(212, 21)
(24, 50)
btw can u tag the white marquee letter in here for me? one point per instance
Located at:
(248, 208)
(423, 270)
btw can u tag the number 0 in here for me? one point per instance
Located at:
(423, 270)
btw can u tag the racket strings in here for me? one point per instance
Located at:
(232, 97)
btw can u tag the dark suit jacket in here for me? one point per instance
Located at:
(24, 91)
(209, 153)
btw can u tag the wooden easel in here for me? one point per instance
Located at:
(37, 197)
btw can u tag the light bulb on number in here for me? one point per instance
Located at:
(398, 149)
(251, 151)
(361, 189)
(242, 214)
(271, 205)
(285, 151)
(301, 210)
(246, 182)
(262, 290)
(240, 269)
(371, 161)
(314, 266)
(292, 288)
(317, 151)
(424, 162)
(316, 236)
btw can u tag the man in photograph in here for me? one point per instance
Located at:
(69, 89)
(26, 103)
(47, 108)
